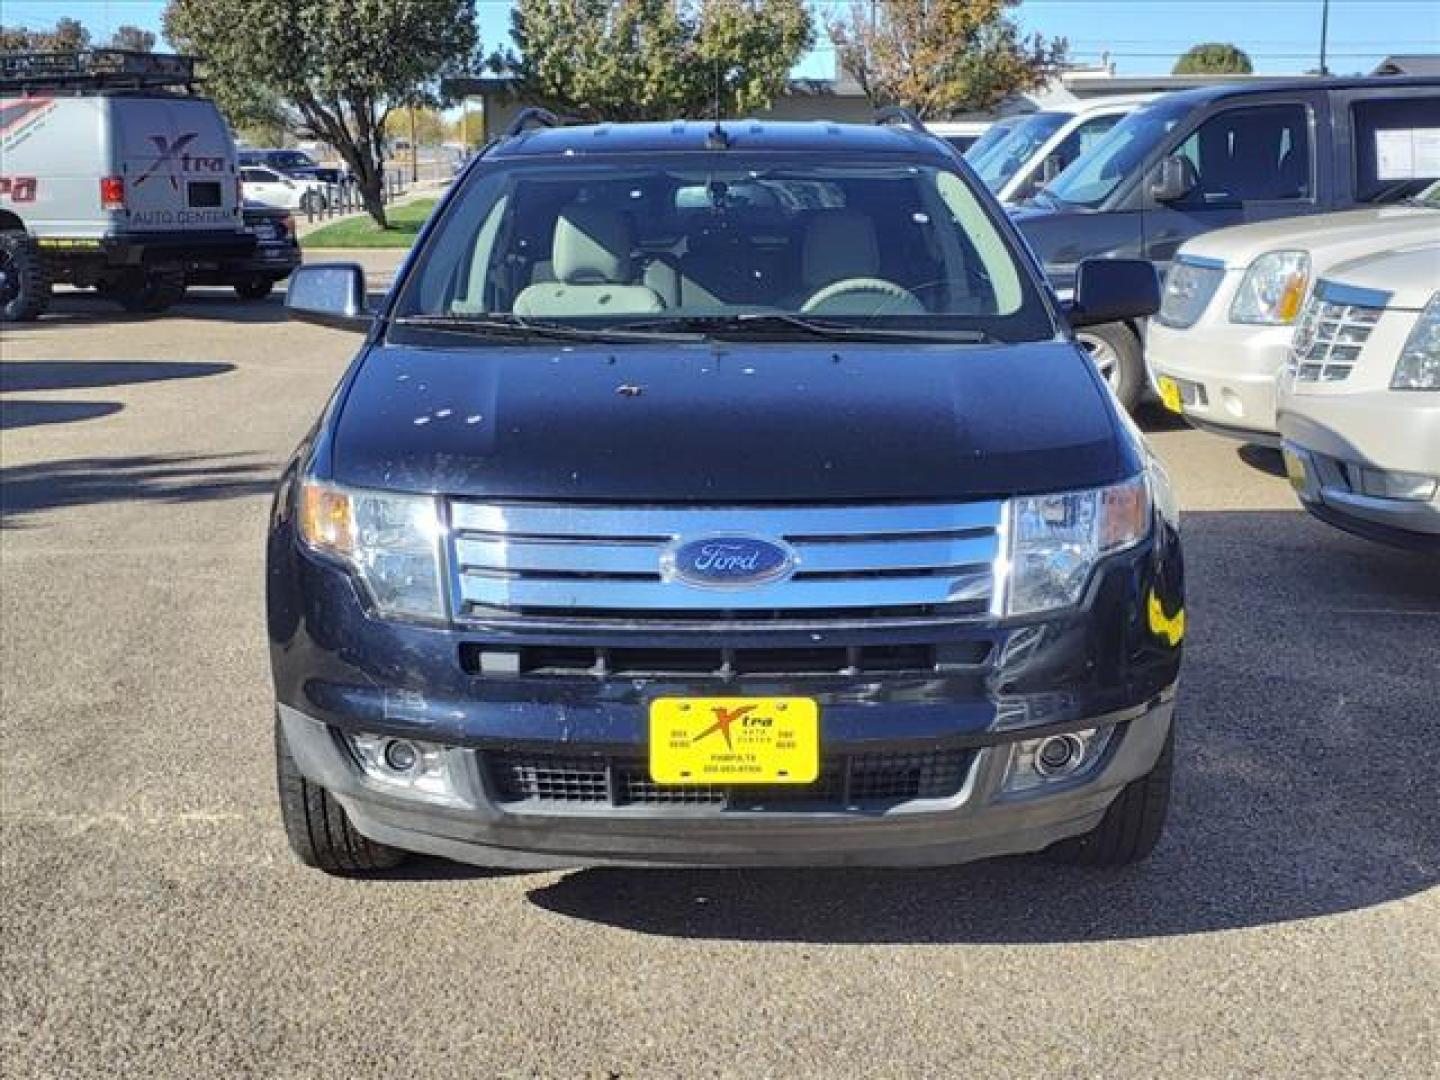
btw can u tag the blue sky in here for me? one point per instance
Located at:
(1141, 36)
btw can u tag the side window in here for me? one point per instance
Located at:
(1251, 154)
(1085, 136)
(1397, 145)
(253, 176)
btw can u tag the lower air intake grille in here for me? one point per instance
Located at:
(845, 780)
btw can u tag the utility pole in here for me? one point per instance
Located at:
(414, 150)
(1324, 34)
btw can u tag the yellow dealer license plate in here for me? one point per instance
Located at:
(1170, 393)
(1294, 469)
(738, 740)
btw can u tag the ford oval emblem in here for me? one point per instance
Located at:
(727, 562)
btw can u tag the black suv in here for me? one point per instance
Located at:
(1198, 160)
(722, 494)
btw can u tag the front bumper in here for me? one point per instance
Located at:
(982, 820)
(1112, 661)
(1390, 430)
(1235, 369)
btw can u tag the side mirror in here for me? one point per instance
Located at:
(1114, 290)
(1174, 179)
(329, 294)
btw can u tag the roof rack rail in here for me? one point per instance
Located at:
(530, 120)
(96, 70)
(899, 116)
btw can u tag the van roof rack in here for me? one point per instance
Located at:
(899, 116)
(96, 70)
(532, 119)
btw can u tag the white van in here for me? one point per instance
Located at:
(113, 175)
(1043, 144)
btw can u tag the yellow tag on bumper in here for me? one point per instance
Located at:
(734, 741)
(1170, 393)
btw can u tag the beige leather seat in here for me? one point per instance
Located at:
(594, 270)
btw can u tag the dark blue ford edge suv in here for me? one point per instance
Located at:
(722, 494)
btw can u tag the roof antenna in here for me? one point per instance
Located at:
(717, 139)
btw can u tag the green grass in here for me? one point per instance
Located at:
(362, 232)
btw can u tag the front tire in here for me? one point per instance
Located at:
(1117, 352)
(317, 826)
(1132, 825)
(24, 278)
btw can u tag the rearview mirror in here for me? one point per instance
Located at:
(1114, 290)
(329, 294)
(1174, 179)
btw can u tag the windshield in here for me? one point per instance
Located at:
(696, 240)
(992, 135)
(1091, 178)
(1005, 158)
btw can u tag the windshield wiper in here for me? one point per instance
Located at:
(516, 327)
(748, 323)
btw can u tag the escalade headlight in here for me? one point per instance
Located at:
(1056, 540)
(1419, 365)
(1272, 290)
(391, 542)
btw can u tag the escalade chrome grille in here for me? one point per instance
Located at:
(608, 561)
(1329, 339)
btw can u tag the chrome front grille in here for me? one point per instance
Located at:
(1329, 338)
(597, 562)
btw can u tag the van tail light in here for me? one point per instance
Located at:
(112, 193)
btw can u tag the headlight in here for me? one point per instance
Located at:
(1189, 285)
(1273, 289)
(1056, 540)
(391, 541)
(1419, 365)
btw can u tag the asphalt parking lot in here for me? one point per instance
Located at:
(155, 923)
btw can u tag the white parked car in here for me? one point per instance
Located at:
(1044, 144)
(270, 187)
(1231, 300)
(1359, 400)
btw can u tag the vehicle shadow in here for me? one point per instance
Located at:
(21, 414)
(1152, 417)
(1264, 459)
(77, 308)
(28, 490)
(29, 376)
(1309, 754)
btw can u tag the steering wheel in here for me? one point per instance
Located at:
(863, 296)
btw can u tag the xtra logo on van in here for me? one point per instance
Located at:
(174, 153)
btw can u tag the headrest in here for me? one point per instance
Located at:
(592, 245)
(839, 244)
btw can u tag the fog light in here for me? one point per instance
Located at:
(1054, 758)
(409, 765)
(401, 755)
(1392, 484)
(1059, 755)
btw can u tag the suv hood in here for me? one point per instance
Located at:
(727, 422)
(1327, 237)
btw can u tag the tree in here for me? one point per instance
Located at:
(654, 59)
(69, 35)
(330, 70)
(1214, 58)
(430, 126)
(133, 38)
(940, 57)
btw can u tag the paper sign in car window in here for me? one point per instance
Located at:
(1407, 154)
